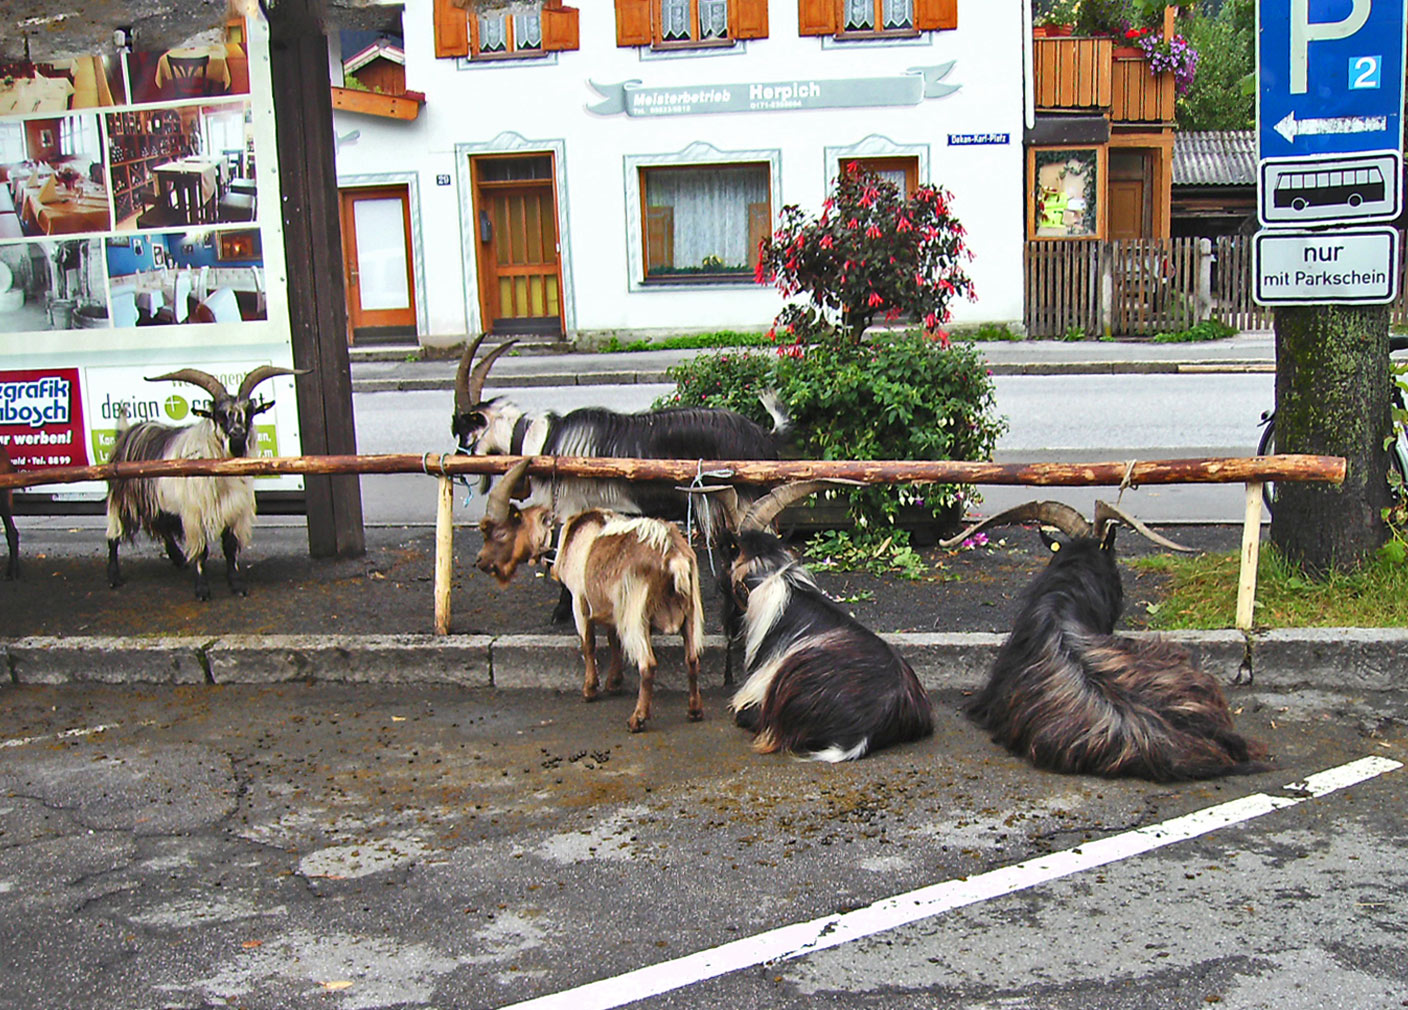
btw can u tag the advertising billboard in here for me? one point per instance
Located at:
(139, 234)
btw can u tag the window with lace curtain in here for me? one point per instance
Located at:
(12, 147)
(878, 16)
(685, 24)
(515, 32)
(704, 222)
(875, 19)
(78, 135)
(693, 21)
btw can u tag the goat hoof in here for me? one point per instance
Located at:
(589, 696)
(635, 725)
(696, 715)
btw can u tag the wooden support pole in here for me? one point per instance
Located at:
(444, 554)
(1251, 552)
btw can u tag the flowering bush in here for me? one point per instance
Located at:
(870, 253)
(1173, 55)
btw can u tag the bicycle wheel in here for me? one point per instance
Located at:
(1267, 447)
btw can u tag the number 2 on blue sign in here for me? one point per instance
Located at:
(1364, 71)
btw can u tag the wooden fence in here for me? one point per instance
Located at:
(1250, 471)
(1141, 287)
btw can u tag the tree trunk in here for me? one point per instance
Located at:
(1332, 397)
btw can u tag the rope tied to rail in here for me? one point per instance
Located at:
(698, 482)
(1128, 480)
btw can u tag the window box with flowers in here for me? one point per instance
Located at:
(1167, 54)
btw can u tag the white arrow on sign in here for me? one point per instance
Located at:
(1290, 127)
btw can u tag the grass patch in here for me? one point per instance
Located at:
(1202, 594)
(1208, 329)
(690, 342)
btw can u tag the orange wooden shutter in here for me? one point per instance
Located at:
(933, 15)
(633, 22)
(816, 17)
(748, 19)
(659, 238)
(560, 29)
(759, 228)
(451, 30)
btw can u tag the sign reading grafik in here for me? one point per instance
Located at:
(910, 88)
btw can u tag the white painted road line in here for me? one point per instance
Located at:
(804, 938)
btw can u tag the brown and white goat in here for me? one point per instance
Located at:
(188, 513)
(628, 575)
(12, 535)
(820, 684)
(499, 427)
(1069, 695)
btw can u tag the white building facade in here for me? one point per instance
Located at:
(609, 170)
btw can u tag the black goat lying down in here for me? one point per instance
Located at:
(1069, 695)
(820, 684)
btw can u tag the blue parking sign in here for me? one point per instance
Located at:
(1329, 76)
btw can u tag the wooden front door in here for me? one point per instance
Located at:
(515, 228)
(376, 256)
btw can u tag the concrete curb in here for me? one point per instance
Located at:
(642, 376)
(1340, 659)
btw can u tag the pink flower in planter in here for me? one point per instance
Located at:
(826, 242)
(875, 300)
(873, 232)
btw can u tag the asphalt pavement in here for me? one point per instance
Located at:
(365, 816)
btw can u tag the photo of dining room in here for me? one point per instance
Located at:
(84, 82)
(182, 166)
(52, 285)
(175, 278)
(192, 70)
(51, 177)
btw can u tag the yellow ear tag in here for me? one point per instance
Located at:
(1055, 547)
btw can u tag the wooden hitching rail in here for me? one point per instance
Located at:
(1251, 471)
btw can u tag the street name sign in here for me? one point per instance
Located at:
(1329, 76)
(1346, 266)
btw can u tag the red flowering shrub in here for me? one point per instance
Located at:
(871, 253)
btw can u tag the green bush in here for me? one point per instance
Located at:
(898, 396)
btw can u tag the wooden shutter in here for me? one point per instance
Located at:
(560, 29)
(817, 17)
(451, 30)
(934, 15)
(748, 19)
(633, 22)
(659, 238)
(759, 228)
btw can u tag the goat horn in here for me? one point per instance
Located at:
(195, 377)
(261, 373)
(1105, 513)
(727, 497)
(496, 508)
(475, 387)
(1053, 513)
(767, 508)
(463, 401)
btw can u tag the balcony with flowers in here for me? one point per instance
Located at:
(1120, 57)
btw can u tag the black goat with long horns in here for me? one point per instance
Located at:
(188, 513)
(1069, 695)
(498, 427)
(820, 684)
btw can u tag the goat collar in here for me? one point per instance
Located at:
(520, 432)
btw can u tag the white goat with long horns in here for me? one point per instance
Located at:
(189, 513)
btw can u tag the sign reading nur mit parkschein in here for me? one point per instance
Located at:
(1329, 135)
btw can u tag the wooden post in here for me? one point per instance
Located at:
(317, 306)
(1251, 552)
(444, 554)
